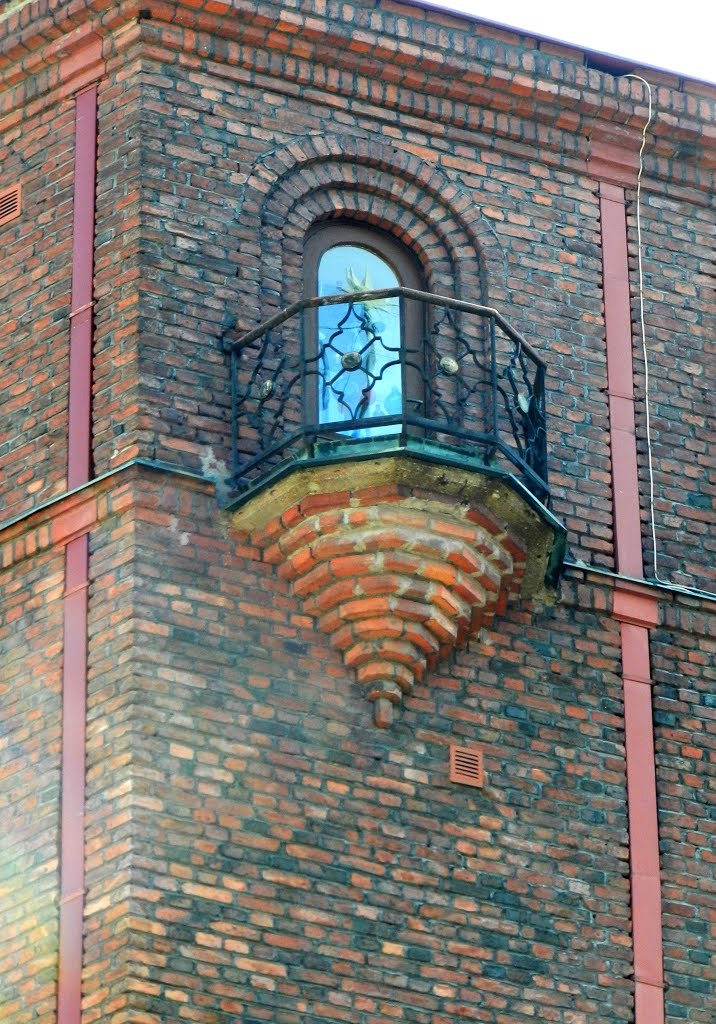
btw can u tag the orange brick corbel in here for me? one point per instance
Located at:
(635, 607)
(613, 163)
(397, 583)
(80, 57)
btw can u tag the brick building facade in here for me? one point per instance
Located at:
(202, 817)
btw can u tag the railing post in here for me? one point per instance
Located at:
(403, 376)
(493, 380)
(306, 397)
(234, 370)
(542, 434)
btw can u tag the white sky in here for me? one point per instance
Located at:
(677, 35)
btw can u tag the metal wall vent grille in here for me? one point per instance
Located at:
(466, 766)
(10, 203)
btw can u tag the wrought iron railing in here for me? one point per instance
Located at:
(350, 374)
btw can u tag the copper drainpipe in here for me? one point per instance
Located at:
(80, 61)
(636, 611)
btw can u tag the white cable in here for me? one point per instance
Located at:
(675, 586)
(643, 329)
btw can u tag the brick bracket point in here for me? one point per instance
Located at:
(396, 573)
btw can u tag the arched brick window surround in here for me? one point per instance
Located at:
(321, 177)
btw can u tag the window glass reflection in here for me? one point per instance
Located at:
(358, 342)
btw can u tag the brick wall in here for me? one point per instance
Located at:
(684, 654)
(680, 322)
(118, 419)
(38, 142)
(255, 849)
(540, 231)
(289, 862)
(30, 684)
(112, 800)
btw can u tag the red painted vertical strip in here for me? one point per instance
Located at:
(635, 620)
(80, 389)
(617, 316)
(74, 678)
(74, 689)
(646, 883)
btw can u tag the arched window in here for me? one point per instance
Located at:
(357, 347)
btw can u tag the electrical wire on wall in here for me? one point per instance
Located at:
(645, 353)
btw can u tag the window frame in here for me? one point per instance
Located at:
(327, 235)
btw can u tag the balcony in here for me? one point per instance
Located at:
(470, 390)
(390, 457)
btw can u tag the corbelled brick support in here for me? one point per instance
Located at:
(397, 579)
(402, 568)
